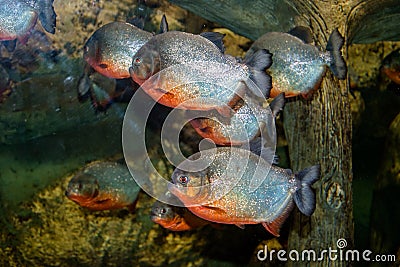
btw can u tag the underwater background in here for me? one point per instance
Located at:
(47, 135)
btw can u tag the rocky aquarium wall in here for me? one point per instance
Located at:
(85, 153)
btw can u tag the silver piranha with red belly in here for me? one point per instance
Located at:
(298, 66)
(110, 48)
(222, 192)
(189, 71)
(18, 17)
(103, 186)
(244, 125)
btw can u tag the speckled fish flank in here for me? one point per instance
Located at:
(298, 67)
(190, 71)
(218, 194)
(244, 125)
(18, 17)
(103, 186)
(110, 48)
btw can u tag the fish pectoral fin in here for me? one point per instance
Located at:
(219, 210)
(102, 201)
(241, 226)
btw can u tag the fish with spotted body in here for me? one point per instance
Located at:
(110, 48)
(189, 71)
(298, 66)
(222, 193)
(244, 125)
(103, 186)
(18, 17)
(175, 218)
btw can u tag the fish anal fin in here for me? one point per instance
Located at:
(272, 228)
(132, 207)
(275, 226)
(241, 226)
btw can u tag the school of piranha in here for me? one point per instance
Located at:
(193, 72)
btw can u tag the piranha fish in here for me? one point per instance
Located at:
(103, 186)
(244, 125)
(18, 17)
(175, 218)
(222, 193)
(110, 48)
(298, 66)
(188, 71)
(391, 68)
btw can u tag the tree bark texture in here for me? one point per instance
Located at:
(318, 130)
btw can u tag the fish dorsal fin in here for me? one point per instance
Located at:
(275, 226)
(216, 38)
(302, 33)
(163, 25)
(137, 22)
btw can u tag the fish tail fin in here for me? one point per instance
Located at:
(338, 65)
(305, 196)
(258, 63)
(277, 104)
(47, 15)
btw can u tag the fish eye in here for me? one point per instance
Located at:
(183, 179)
(137, 60)
(163, 211)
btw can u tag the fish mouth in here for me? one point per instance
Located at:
(187, 200)
(173, 188)
(154, 218)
